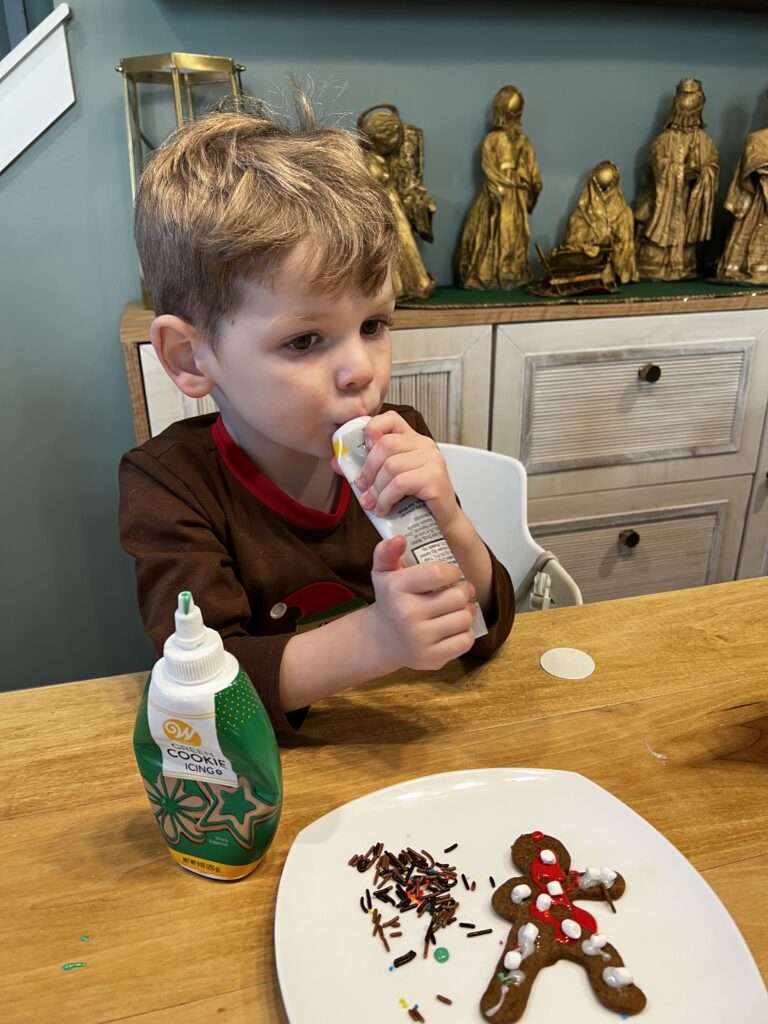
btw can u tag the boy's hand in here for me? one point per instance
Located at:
(403, 463)
(420, 619)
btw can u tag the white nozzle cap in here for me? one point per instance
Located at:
(194, 653)
(349, 447)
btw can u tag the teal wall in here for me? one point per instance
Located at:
(597, 81)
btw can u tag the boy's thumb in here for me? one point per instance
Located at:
(387, 554)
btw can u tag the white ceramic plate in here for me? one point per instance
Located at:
(671, 930)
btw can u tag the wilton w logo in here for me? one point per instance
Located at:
(175, 729)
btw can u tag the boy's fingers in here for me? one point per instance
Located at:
(387, 554)
(386, 423)
(421, 579)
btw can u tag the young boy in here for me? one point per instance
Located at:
(267, 253)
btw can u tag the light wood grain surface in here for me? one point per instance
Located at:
(136, 320)
(683, 674)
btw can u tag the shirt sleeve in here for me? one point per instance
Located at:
(177, 544)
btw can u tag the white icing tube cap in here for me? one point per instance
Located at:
(617, 977)
(194, 653)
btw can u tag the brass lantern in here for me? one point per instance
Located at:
(148, 118)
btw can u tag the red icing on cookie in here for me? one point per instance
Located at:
(542, 874)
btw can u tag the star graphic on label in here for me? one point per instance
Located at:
(237, 811)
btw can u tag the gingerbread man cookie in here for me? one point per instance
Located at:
(547, 927)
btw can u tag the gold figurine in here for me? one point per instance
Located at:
(493, 251)
(599, 242)
(395, 154)
(745, 257)
(675, 209)
(602, 219)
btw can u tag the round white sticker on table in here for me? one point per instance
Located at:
(567, 663)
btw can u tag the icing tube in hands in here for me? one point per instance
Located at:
(409, 517)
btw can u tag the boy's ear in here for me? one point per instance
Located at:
(178, 346)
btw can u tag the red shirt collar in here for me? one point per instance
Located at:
(250, 476)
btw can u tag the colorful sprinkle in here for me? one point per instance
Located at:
(72, 966)
(441, 954)
(84, 938)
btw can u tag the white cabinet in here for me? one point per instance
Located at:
(647, 428)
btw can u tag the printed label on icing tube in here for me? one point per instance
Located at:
(408, 517)
(190, 746)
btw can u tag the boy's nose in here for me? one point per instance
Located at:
(355, 370)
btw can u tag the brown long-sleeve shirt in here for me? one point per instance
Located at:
(196, 514)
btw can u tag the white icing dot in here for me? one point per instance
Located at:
(598, 940)
(547, 857)
(543, 902)
(526, 936)
(608, 876)
(571, 929)
(554, 889)
(513, 959)
(617, 977)
(520, 893)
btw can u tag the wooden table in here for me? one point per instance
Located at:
(684, 674)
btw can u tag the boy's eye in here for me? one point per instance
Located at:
(370, 328)
(304, 343)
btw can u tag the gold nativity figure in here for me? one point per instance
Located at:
(745, 257)
(603, 220)
(395, 155)
(495, 241)
(675, 209)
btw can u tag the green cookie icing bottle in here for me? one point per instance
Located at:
(207, 754)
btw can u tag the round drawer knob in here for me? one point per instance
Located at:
(629, 538)
(650, 373)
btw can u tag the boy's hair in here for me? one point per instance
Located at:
(228, 196)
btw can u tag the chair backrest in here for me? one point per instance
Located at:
(493, 491)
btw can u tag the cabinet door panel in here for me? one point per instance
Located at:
(570, 401)
(649, 539)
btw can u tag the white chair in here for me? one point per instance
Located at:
(493, 491)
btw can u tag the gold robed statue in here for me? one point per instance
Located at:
(395, 155)
(675, 209)
(603, 220)
(745, 257)
(599, 245)
(495, 242)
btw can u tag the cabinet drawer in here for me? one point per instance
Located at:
(570, 397)
(592, 409)
(649, 539)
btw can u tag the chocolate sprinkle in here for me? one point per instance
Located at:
(607, 898)
(404, 959)
(484, 931)
(464, 880)
(363, 906)
(414, 1014)
(448, 849)
(465, 924)
(490, 879)
(444, 999)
